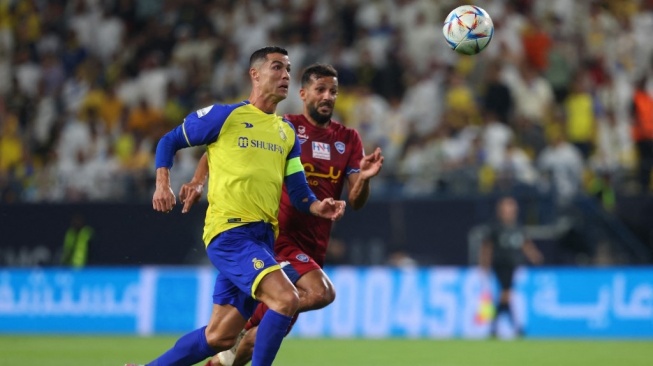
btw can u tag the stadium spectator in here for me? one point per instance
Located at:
(533, 95)
(562, 168)
(516, 172)
(225, 83)
(11, 143)
(144, 118)
(250, 149)
(615, 152)
(497, 99)
(580, 123)
(642, 132)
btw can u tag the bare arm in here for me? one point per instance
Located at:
(191, 192)
(485, 256)
(359, 183)
(532, 253)
(163, 199)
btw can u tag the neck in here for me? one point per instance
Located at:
(265, 103)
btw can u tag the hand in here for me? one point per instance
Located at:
(371, 164)
(329, 209)
(189, 194)
(538, 259)
(485, 270)
(163, 199)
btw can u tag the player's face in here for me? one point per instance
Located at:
(508, 210)
(319, 98)
(274, 76)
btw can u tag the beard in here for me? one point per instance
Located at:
(318, 117)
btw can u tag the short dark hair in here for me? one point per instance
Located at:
(319, 71)
(262, 53)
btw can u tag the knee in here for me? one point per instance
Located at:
(325, 296)
(285, 302)
(220, 342)
(317, 297)
(290, 301)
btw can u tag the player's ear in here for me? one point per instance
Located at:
(302, 94)
(253, 74)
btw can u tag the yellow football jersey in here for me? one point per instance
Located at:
(249, 154)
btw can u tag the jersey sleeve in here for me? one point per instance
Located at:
(354, 163)
(299, 192)
(297, 187)
(199, 128)
(203, 126)
(296, 150)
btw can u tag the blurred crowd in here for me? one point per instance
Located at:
(559, 102)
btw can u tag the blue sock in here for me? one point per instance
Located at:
(271, 330)
(190, 349)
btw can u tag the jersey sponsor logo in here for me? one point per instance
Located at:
(258, 264)
(258, 144)
(244, 142)
(204, 111)
(309, 171)
(247, 124)
(232, 220)
(302, 257)
(321, 150)
(301, 134)
(340, 147)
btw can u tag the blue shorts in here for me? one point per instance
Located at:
(243, 256)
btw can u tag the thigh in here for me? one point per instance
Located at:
(226, 292)
(243, 256)
(314, 280)
(275, 287)
(504, 275)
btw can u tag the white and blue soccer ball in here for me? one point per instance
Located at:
(468, 29)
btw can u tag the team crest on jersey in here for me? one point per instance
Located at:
(258, 264)
(321, 150)
(302, 257)
(204, 111)
(282, 134)
(340, 147)
(301, 134)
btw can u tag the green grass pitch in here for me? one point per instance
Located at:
(116, 351)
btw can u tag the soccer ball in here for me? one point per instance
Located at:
(468, 29)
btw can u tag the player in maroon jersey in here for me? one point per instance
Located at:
(332, 154)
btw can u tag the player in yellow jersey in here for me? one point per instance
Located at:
(251, 153)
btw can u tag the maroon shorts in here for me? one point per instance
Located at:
(294, 262)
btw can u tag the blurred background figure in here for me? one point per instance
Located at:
(76, 243)
(503, 250)
(643, 133)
